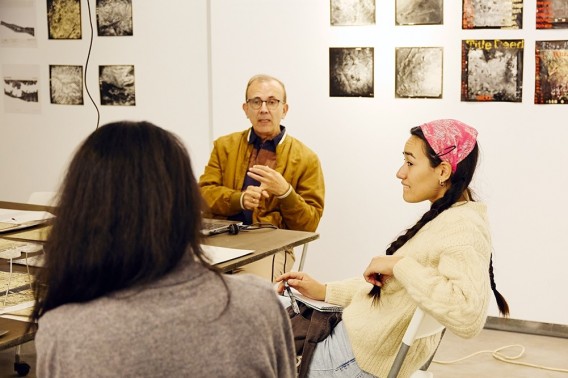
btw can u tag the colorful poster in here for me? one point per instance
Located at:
(419, 72)
(551, 72)
(495, 14)
(492, 70)
(552, 14)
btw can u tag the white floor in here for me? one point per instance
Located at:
(538, 350)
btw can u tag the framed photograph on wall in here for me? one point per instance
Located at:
(117, 85)
(351, 72)
(352, 12)
(552, 14)
(418, 72)
(495, 14)
(18, 23)
(66, 84)
(64, 19)
(419, 12)
(21, 88)
(114, 18)
(492, 70)
(551, 72)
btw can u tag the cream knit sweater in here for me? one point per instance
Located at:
(444, 271)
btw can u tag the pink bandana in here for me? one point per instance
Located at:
(450, 139)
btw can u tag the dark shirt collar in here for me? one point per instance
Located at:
(269, 144)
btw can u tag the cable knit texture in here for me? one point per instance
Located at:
(444, 271)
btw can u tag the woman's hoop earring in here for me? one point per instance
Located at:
(442, 183)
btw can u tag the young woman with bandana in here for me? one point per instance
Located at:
(442, 264)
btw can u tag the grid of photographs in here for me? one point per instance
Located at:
(492, 70)
(551, 72)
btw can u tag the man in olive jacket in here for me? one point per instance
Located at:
(263, 175)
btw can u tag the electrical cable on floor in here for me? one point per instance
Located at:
(504, 358)
(87, 65)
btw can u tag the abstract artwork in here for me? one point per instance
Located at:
(66, 84)
(64, 19)
(352, 12)
(551, 72)
(419, 72)
(18, 23)
(114, 17)
(117, 85)
(351, 72)
(21, 88)
(492, 70)
(419, 12)
(494, 14)
(552, 14)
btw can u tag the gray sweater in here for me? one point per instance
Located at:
(176, 327)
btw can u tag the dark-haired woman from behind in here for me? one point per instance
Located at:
(127, 290)
(442, 264)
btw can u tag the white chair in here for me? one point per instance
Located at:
(421, 325)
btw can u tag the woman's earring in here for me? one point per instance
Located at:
(442, 183)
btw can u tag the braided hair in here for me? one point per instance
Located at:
(460, 181)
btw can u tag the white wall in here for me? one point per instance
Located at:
(169, 51)
(359, 140)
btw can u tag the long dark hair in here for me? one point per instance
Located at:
(128, 210)
(460, 181)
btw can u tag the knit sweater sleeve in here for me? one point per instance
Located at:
(342, 292)
(454, 286)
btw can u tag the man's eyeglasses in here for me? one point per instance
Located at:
(256, 103)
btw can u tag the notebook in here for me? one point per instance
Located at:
(315, 304)
(216, 226)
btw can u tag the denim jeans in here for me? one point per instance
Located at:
(333, 357)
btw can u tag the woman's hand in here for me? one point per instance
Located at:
(380, 269)
(302, 282)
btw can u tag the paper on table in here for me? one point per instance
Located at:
(11, 220)
(221, 254)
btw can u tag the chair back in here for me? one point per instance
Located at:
(421, 325)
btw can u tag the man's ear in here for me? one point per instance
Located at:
(245, 108)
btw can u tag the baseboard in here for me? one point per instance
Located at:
(526, 326)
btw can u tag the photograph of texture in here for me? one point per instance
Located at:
(552, 14)
(494, 14)
(492, 70)
(551, 72)
(419, 72)
(419, 12)
(64, 19)
(17, 23)
(21, 88)
(352, 12)
(114, 17)
(117, 85)
(351, 72)
(66, 84)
